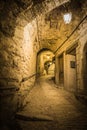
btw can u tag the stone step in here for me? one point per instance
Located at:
(33, 118)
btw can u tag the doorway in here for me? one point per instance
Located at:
(71, 84)
(61, 69)
(84, 65)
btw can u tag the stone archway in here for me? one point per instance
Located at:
(43, 57)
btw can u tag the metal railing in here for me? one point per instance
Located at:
(14, 88)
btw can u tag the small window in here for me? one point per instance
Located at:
(72, 64)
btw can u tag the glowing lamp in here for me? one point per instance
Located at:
(48, 57)
(67, 18)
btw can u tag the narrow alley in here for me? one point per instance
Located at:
(50, 107)
(43, 64)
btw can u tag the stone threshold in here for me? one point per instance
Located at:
(33, 118)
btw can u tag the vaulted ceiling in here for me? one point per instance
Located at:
(10, 10)
(52, 31)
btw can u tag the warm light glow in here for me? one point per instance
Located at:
(48, 57)
(67, 18)
(29, 37)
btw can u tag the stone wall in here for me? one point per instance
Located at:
(18, 62)
(80, 55)
(78, 37)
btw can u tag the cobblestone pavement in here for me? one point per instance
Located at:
(52, 108)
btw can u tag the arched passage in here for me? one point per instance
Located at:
(19, 38)
(45, 62)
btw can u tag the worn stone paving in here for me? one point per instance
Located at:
(52, 108)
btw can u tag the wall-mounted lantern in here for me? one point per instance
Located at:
(67, 18)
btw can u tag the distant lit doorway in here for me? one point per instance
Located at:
(45, 63)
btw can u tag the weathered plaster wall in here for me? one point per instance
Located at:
(80, 55)
(80, 37)
(70, 75)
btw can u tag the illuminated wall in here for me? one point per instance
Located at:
(18, 62)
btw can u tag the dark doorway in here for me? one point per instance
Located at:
(84, 65)
(61, 69)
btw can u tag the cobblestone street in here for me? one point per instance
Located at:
(52, 108)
